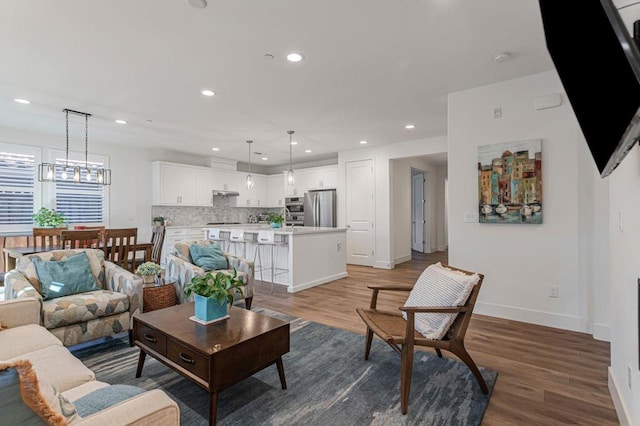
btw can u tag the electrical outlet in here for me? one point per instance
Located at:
(497, 112)
(553, 291)
(471, 217)
(629, 375)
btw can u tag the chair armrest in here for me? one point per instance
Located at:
(435, 309)
(391, 287)
(120, 280)
(180, 272)
(18, 286)
(153, 407)
(22, 311)
(243, 265)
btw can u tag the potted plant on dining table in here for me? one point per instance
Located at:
(212, 292)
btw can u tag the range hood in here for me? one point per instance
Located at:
(224, 193)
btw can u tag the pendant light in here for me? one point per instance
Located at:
(290, 177)
(52, 172)
(249, 180)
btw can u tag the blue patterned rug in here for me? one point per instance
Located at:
(328, 383)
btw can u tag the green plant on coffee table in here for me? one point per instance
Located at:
(219, 286)
(148, 268)
(48, 217)
(275, 218)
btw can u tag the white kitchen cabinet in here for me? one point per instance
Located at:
(329, 177)
(180, 185)
(299, 186)
(254, 197)
(225, 180)
(172, 236)
(320, 178)
(275, 191)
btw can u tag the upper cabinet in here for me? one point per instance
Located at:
(311, 179)
(225, 180)
(180, 185)
(275, 191)
(254, 197)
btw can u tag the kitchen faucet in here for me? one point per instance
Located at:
(286, 214)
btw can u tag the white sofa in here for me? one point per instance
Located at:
(24, 339)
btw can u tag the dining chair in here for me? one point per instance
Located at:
(80, 239)
(157, 238)
(47, 237)
(120, 247)
(401, 334)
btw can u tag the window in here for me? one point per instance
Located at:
(19, 196)
(80, 202)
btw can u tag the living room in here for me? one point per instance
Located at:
(584, 248)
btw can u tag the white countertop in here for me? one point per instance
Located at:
(253, 228)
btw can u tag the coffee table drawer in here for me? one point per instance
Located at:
(152, 339)
(188, 359)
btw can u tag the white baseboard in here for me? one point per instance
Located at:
(442, 248)
(401, 259)
(601, 332)
(618, 402)
(314, 283)
(383, 264)
(549, 319)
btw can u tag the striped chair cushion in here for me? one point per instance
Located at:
(439, 286)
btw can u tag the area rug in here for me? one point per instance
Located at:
(328, 380)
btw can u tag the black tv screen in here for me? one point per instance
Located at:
(599, 65)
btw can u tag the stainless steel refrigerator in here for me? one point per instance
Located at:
(320, 208)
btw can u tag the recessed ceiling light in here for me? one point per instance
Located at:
(265, 158)
(215, 149)
(121, 122)
(295, 57)
(501, 57)
(308, 151)
(208, 92)
(22, 101)
(363, 142)
(294, 143)
(410, 126)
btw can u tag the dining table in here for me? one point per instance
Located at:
(13, 253)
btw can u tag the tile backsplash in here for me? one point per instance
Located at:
(220, 211)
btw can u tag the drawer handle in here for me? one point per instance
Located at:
(150, 338)
(185, 358)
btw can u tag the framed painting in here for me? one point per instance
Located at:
(510, 182)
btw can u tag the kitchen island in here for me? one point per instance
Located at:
(309, 256)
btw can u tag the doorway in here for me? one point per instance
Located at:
(419, 230)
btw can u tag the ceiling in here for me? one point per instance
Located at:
(370, 67)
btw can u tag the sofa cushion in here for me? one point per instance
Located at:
(26, 338)
(104, 398)
(182, 249)
(64, 277)
(439, 286)
(209, 258)
(25, 264)
(58, 366)
(83, 307)
(83, 389)
(37, 394)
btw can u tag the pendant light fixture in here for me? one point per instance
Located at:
(291, 180)
(249, 180)
(53, 172)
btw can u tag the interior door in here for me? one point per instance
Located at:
(360, 212)
(417, 212)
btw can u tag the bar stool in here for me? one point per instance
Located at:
(267, 238)
(235, 238)
(213, 234)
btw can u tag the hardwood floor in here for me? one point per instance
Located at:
(546, 376)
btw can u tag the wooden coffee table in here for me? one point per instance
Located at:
(212, 356)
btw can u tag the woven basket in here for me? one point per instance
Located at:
(158, 297)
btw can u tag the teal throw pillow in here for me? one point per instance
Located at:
(209, 258)
(65, 277)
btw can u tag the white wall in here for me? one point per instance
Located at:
(521, 261)
(400, 171)
(130, 190)
(381, 155)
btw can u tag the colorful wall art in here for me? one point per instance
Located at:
(510, 182)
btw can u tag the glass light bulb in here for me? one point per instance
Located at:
(63, 175)
(76, 174)
(88, 175)
(49, 173)
(100, 175)
(249, 181)
(290, 177)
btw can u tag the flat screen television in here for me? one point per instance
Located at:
(599, 65)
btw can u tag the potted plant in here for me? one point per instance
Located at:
(212, 291)
(158, 221)
(47, 218)
(148, 271)
(275, 220)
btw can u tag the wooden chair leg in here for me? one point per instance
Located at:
(367, 347)
(406, 369)
(462, 353)
(439, 352)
